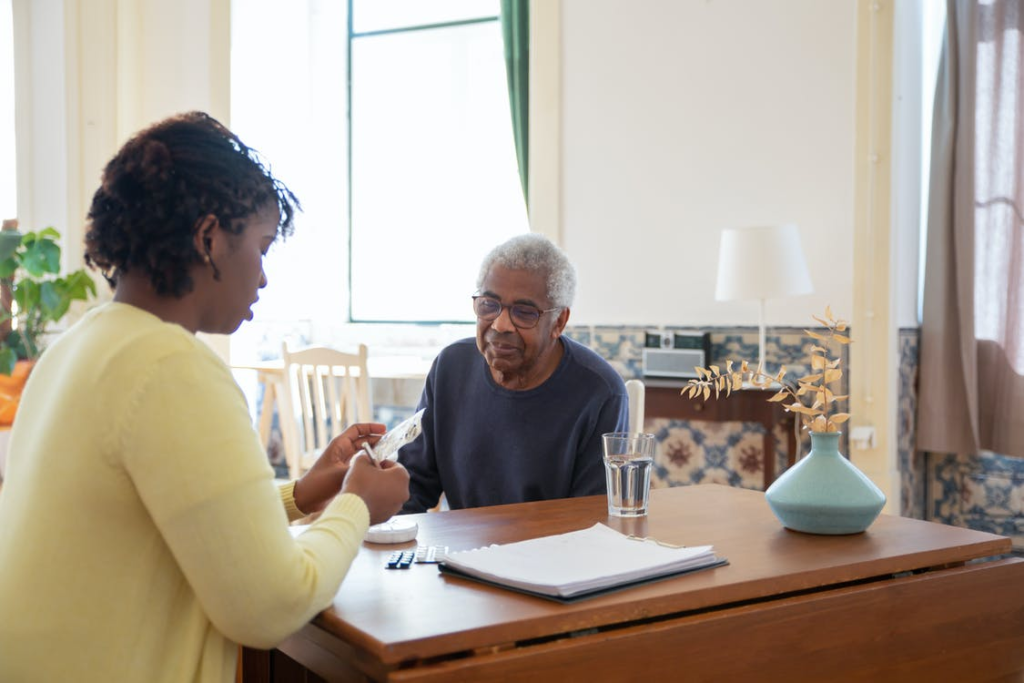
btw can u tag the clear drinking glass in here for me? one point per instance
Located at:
(628, 458)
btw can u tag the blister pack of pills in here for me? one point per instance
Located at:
(405, 432)
(424, 554)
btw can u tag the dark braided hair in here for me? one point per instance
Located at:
(159, 186)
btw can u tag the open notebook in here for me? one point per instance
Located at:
(578, 564)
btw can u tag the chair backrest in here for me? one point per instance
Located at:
(325, 390)
(635, 390)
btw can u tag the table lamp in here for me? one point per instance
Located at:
(761, 263)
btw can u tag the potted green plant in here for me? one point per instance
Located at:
(33, 295)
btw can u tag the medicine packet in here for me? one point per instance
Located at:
(405, 432)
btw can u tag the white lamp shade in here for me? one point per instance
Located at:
(761, 263)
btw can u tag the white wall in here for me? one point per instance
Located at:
(41, 114)
(8, 157)
(88, 74)
(676, 117)
(908, 97)
(681, 117)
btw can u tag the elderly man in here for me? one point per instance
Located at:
(518, 415)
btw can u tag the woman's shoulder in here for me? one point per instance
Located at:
(145, 334)
(119, 339)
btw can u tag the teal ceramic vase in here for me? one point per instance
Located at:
(824, 493)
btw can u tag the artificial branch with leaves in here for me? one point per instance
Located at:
(813, 388)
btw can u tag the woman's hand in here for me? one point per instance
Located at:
(317, 487)
(383, 487)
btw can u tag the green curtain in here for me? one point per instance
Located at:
(515, 31)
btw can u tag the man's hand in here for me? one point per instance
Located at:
(317, 487)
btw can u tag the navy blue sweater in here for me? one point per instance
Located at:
(483, 444)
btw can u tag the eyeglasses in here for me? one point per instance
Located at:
(523, 316)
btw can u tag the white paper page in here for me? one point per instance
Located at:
(578, 561)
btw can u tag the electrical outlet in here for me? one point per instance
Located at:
(862, 438)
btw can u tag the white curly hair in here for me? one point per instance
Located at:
(536, 253)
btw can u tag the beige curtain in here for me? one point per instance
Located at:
(972, 330)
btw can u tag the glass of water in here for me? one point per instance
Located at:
(628, 458)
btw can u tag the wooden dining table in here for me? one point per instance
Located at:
(907, 600)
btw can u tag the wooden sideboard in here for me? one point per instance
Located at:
(663, 400)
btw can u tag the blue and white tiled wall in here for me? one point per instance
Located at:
(983, 491)
(910, 461)
(702, 452)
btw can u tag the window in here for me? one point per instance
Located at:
(398, 141)
(8, 165)
(933, 23)
(434, 181)
(288, 101)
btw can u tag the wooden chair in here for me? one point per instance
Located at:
(324, 391)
